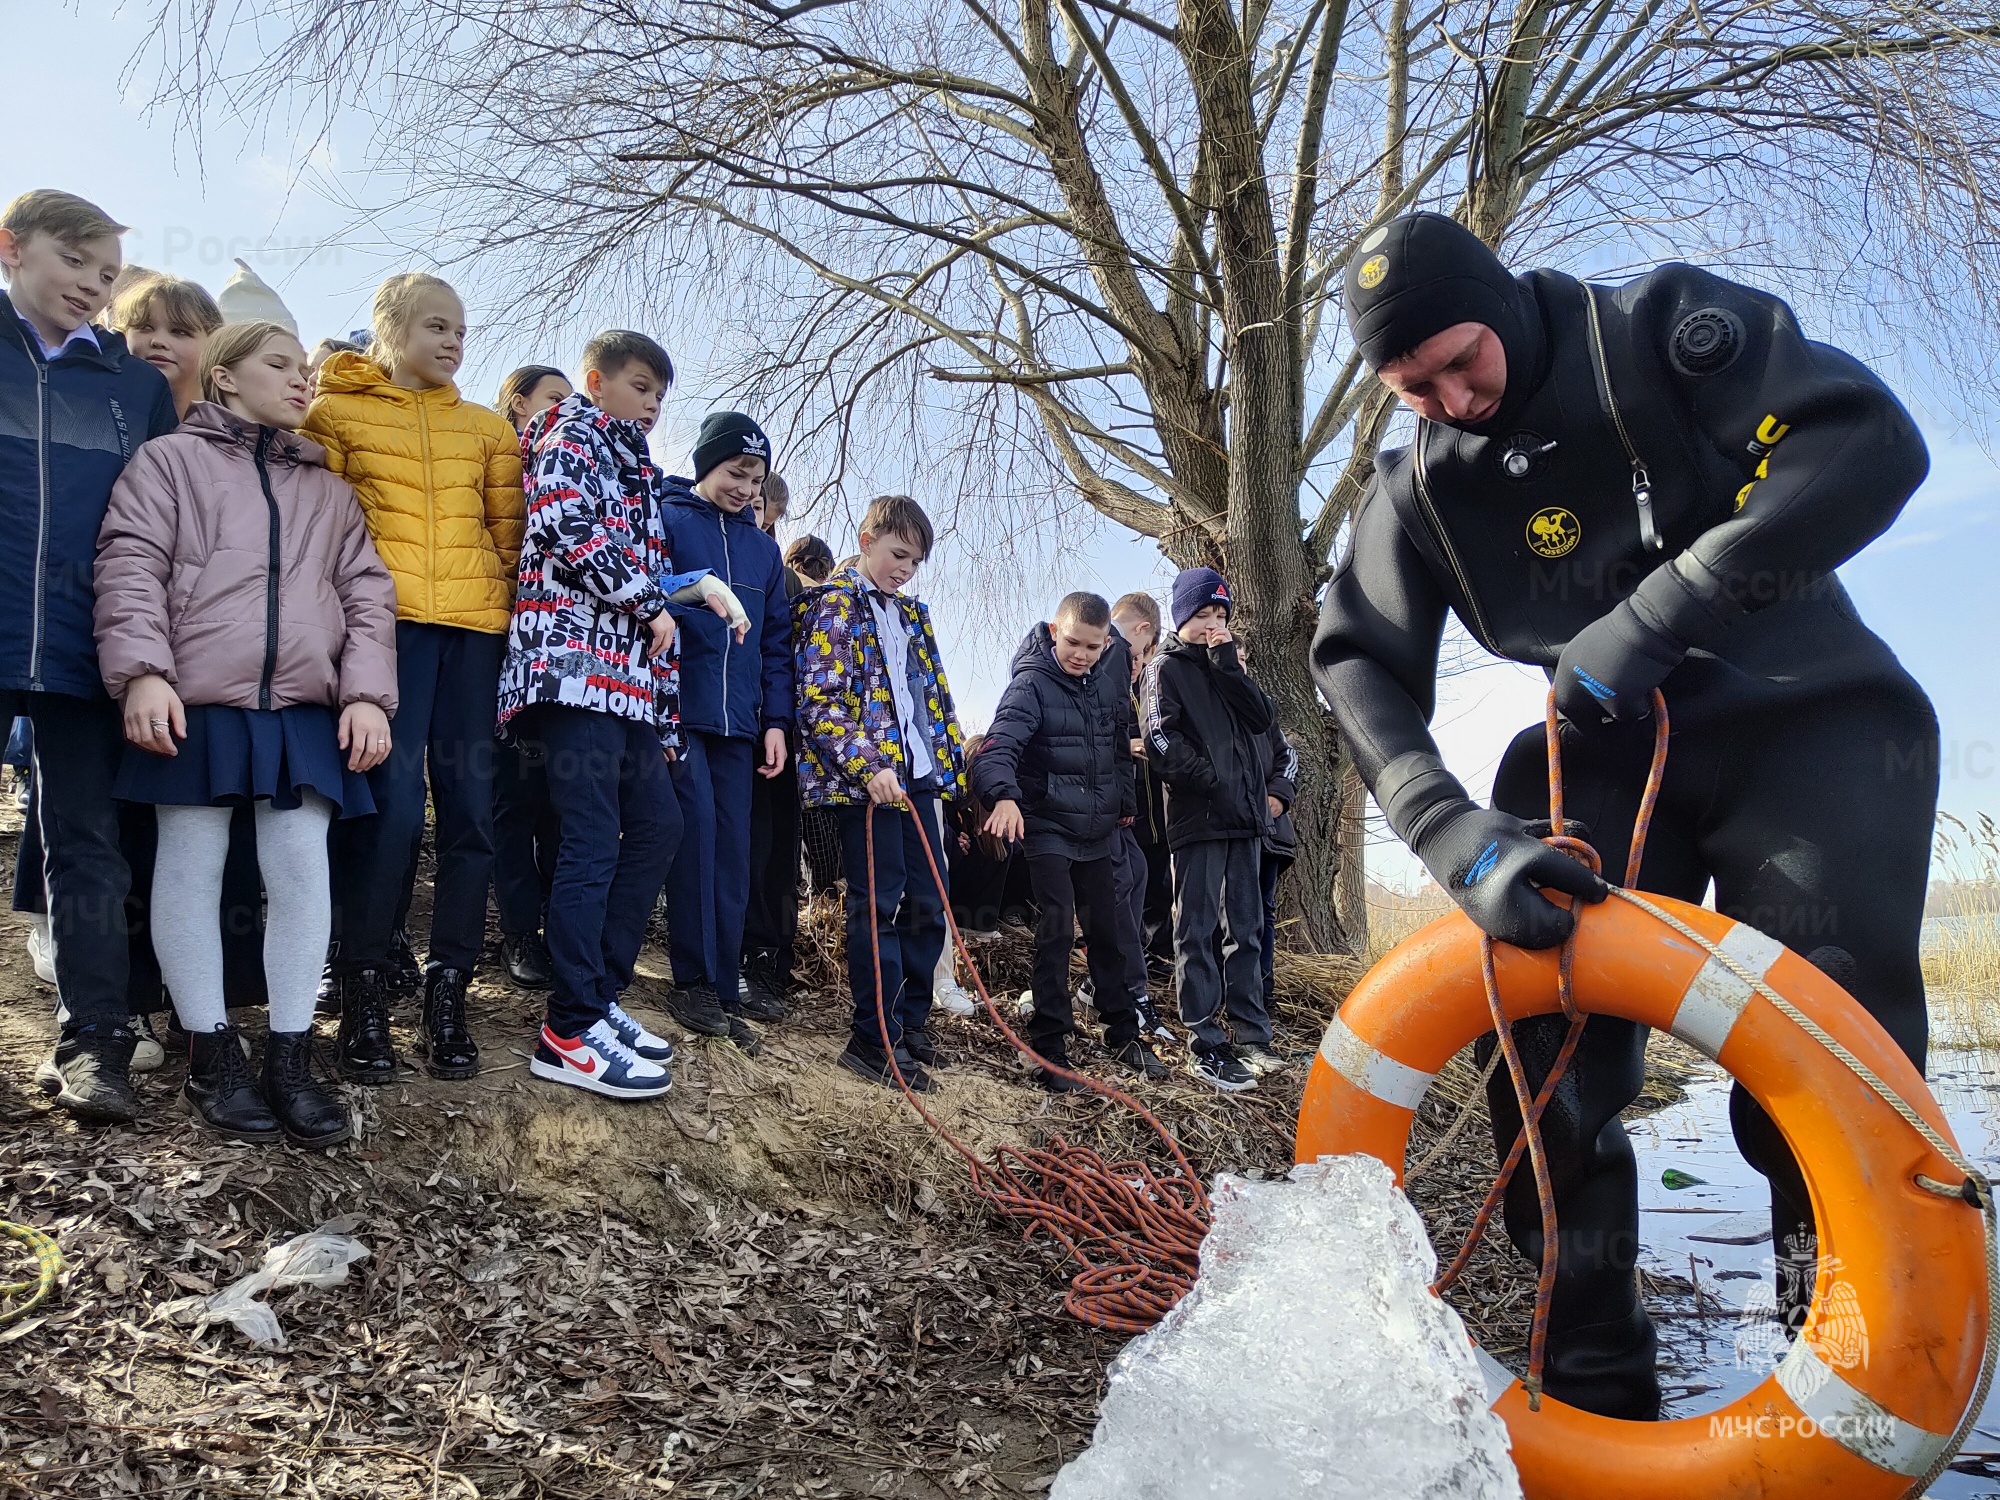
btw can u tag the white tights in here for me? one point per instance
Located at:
(187, 900)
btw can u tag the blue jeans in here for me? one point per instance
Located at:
(447, 681)
(907, 920)
(709, 888)
(618, 824)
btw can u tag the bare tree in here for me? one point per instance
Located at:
(1112, 232)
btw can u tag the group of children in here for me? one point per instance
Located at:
(286, 601)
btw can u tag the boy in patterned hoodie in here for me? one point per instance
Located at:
(877, 734)
(590, 672)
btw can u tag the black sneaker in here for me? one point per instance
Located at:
(367, 1052)
(406, 975)
(308, 1110)
(699, 1008)
(918, 1044)
(874, 1067)
(1061, 1083)
(763, 999)
(528, 961)
(744, 1035)
(444, 1040)
(1150, 1023)
(1221, 1071)
(1142, 1060)
(90, 1075)
(221, 1092)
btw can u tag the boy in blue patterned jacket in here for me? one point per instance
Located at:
(877, 730)
(590, 672)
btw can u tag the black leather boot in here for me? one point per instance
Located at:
(221, 1090)
(309, 1112)
(446, 1039)
(367, 1055)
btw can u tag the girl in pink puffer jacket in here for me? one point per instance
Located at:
(247, 627)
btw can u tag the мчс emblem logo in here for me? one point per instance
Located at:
(1553, 532)
(1373, 270)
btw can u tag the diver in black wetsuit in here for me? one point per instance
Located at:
(1634, 487)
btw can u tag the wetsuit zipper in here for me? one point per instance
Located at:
(1642, 484)
(270, 575)
(1479, 627)
(42, 518)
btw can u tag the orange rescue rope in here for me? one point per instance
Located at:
(1136, 1235)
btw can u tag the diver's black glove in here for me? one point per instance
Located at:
(1489, 862)
(1607, 673)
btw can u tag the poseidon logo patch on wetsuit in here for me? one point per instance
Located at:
(1553, 532)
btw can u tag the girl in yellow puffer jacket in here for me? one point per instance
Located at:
(439, 480)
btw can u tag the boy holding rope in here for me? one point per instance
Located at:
(879, 743)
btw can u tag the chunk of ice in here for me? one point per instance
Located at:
(1310, 1360)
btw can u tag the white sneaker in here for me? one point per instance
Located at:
(41, 950)
(637, 1038)
(598, 1061)
(147, 1054)
(955, 1000)
(1025, 1006)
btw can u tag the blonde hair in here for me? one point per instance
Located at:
(173, 298)
(396, 304)
(229, 346)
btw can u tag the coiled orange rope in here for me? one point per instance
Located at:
(1136, 1234)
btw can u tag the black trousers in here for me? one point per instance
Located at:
(525, 836)
(1218, 935)
(78, 744)
(1063, 886)
(905, 925)
(1802, 779)
(771, 925)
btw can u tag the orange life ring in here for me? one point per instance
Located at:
(1911, 1263)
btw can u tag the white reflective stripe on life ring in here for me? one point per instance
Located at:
(1716, 996)
(1371, 1071)
(1853, 1419)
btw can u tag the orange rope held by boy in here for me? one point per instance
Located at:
(1136, 1234)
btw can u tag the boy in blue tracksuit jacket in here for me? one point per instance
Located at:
(74, 404)
(736, 720)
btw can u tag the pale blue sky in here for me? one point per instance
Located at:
(1927, 586)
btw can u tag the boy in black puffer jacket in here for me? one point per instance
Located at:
(1205, 721)
(1057, 768)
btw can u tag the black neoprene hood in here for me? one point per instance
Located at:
(1423, 273)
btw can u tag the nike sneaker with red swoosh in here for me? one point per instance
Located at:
(597, 1060)
(636, 1037)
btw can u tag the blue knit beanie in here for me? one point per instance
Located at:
(726, 435)
(1195, 588)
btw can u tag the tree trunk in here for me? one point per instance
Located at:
(1280, 662)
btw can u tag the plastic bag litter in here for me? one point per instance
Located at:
(1309, 1360)
(320, 1257)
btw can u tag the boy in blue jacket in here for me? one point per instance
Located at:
(74, 404)
(736, 720)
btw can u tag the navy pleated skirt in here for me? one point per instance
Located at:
(241, 755)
